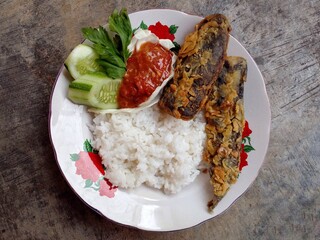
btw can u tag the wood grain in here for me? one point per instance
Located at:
(37, 203)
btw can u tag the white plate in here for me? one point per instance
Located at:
(145, 208)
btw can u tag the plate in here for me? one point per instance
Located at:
(147, 208)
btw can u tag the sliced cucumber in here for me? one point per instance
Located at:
(82, 60)
(95, 90)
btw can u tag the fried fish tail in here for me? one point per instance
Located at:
(199, 63)
(224, 113)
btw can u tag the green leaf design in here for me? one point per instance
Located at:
(173, 29)
(176, 47)
(74, 157)
(143, 26)
(95, 151)
(249, 140)
(244, 140)
(88, 183)
(97, 184)
(248, 148)
(87, 146)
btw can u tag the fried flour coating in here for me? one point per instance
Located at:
(199, 63)
(224, 113)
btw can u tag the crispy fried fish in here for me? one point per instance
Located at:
(200, 61)
(224, 113)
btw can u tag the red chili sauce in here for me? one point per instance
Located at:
(146, 70)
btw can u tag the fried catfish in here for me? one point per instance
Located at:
(199, 63)
(224, 114)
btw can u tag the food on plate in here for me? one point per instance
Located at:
(82, 60)
(120, 74)
(224, 114)
(137, 60)
(94, 89)
(149, 67)
(113, 50)
(149, 147)
(199, 63)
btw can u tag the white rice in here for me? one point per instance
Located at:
(149, 147)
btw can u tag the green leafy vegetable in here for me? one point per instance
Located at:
(113, 52)
(111, 70)
(119, 23)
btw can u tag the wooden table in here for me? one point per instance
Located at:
(283, 36)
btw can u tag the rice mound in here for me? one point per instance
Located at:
(149, 147)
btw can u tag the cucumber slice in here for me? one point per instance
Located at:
(95, 90)
(82, 60)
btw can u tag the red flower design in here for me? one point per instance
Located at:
(97, 161)
(106, 188)
(243, 158)
(89, 166)
(161, 31)
(246, 131)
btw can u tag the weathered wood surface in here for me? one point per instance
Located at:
(283, 36)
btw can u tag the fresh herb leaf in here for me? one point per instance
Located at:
(111, 70)
(108, 53)
(113, 52)
(101, 40)
(117, 42)
(119, 23)
(109, 57)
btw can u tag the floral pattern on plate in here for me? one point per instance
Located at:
(246, 146)
(89, 167)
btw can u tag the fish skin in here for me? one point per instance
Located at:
(199, 63)
(224, 114)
